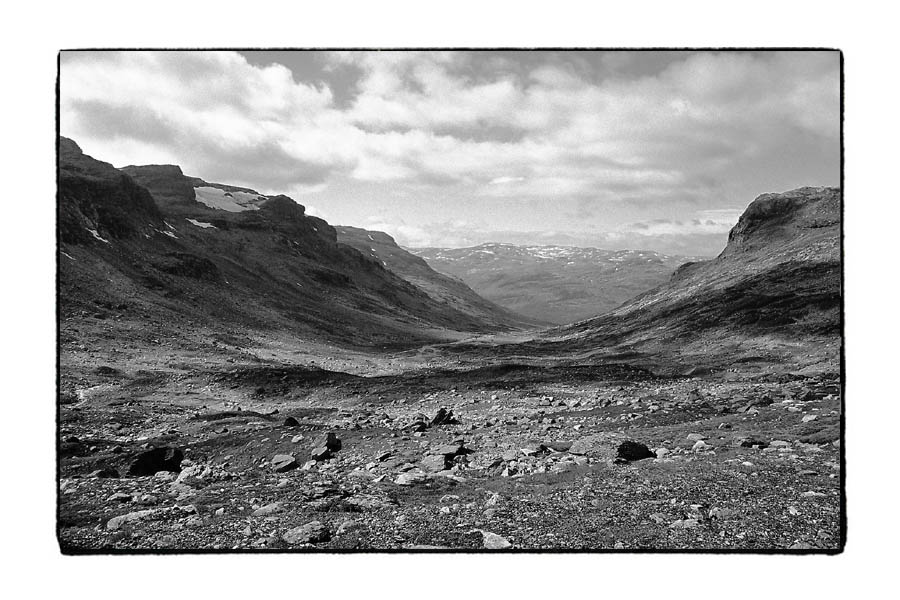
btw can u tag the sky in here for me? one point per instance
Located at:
(638, 150)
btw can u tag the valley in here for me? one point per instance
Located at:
(235, 374)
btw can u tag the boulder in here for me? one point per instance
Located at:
(154, 460)
(449, 450)
(492, 541)
(268, 509)
(579, 447)
(314, 532)
(443, 417)
(534, 449)
(328, 440)
(411, 477)
(283, 462)
(291, 422)
(321, 453)
(434, 463)
(631, 450)
(117, 522)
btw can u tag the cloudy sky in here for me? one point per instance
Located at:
(625, 149)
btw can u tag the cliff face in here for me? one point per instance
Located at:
(95, 197)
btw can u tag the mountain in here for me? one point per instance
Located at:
(773, 295)
(152, 252)
(559, 284)
(442, 288)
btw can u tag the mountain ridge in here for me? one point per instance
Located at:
(135, 238)
(559, 284)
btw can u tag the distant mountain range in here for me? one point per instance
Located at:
(442, 288)
(557, 284)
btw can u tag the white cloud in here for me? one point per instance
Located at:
(701, 130)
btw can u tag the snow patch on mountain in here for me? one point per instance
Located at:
(228, 201)
(202, 224)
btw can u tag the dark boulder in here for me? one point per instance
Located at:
(321, 453)
(631, 450)
(443, 417)
(291, 422)
(329, 441)
(154, 460)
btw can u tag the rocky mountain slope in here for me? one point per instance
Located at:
(559, 284)
(773, 295)
(156, 253)
(442, 288)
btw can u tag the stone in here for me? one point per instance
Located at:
(580, 447)
(443, 417)
(105, 473)
(685, 524)
(533, 449)
(434, 463)
(411, 477)
(808, 418)
(492, 541)
(320, 454)
(328, 440)
(117, 522)
(631, 450)
(283, 462)
(661, 452)
(559, 446)
(700, 446)
(314, 532)
(694, 437)
(449, 450)
(749, 442)
(297, 439)
(154, 460)
(291, 422)
(720, 513)
(268, 509)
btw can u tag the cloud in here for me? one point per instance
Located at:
(618, 134)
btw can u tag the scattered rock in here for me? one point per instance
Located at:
(443, 417)
(117, 522)
(434, 463)
(411, 477)
(268, 509)
(534, 449)
(329, 441)
(492, 541)
(320, 454)
(105, 473)
(314, 532)
(283, 462)
(685, 524)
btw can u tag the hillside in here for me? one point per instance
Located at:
(160, 257)
(559, 284)
(442, 288)
(772, 296)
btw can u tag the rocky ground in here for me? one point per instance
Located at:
(162, 451)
